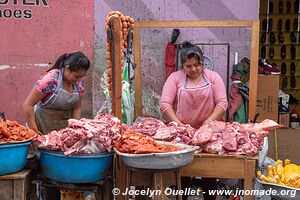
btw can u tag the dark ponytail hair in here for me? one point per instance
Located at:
(75, 61)
(189, 51)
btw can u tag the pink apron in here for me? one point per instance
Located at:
(195, 104)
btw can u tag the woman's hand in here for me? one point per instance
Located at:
(180, 124)
(207, 121)
(33, 98)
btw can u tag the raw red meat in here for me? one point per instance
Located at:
(84, 135)
(203, 135)
(217, 126)
(166, 132)
(236, 138)
(215, 147)
(147, 126)
(229, 139)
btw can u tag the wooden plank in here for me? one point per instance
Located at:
(207, 155)
(17, 186)
(157, 185)
(249, 177)
(253, 69)
(29, 187)
(18, 175)
(178, 183)
(215, 168)
(115, 22)
(19, 189)
(6, 187)
(193, 24)
(106, 192)
(120, 177)
(138, 107)
(141, 178)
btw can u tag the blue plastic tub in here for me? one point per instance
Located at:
(13, 157)
(74, 169)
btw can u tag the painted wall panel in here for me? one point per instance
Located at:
(28, 45)
(153, 41)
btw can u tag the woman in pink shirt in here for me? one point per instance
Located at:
(194, 96)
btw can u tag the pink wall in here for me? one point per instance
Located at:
(27, 45)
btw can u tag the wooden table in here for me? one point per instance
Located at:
(230, 167)
(209, 166)
(17, 186)
(157, 179)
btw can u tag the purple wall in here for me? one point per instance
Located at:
(153, 41)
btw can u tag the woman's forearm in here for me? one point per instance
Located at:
(29, 116)
(76, 113)
(170, 116)
(217, 114)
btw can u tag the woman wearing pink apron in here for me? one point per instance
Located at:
(56, 97)
(194, 96)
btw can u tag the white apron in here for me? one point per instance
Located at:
(54, 114)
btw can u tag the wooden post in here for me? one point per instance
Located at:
(115, 23)
(138, 107)
(157, 185)
(249, 178)
(253, 69)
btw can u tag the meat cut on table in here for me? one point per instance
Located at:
(171, 132)
(216, 137)
(101, 133)
(84, 136)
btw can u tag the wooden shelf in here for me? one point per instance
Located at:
(289, 75)
(277, 44)
(289, 88)
(279, 14)
(281, 59)
(278, 31)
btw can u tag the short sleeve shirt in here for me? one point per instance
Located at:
(48, 83)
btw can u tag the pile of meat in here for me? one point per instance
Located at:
(84, 136)
(12, 132)
(233, 138)
(216, 137)
(165, 132)
(135, 143)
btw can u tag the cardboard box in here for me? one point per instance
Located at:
(287, 144)
(284, 119)
(267, 97)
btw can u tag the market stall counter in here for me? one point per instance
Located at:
(151, 158)
(203, 165)
(225, 166)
